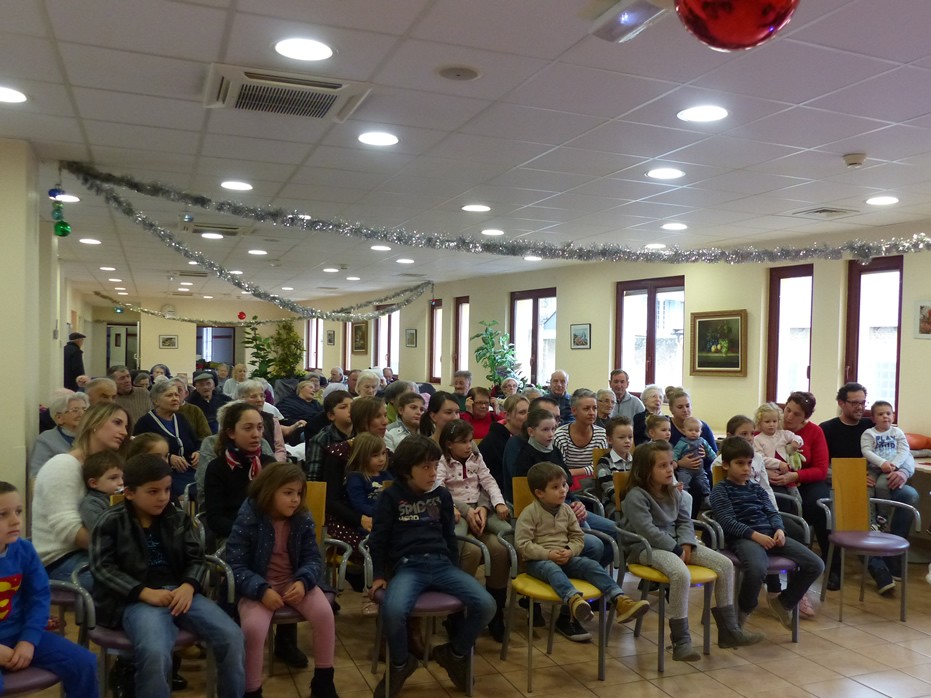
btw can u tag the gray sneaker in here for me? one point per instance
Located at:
(782, 614)
(397, 677)
(456, 667)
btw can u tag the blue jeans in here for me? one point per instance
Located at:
(595, 548)
(74, 665)
(557, 576)
(62, 568)
(416, 574)
(153, 630)
(754, 559)
(901, 525)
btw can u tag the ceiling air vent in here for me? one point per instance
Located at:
(225, 229)
(234, 87)
(192, 274)
(409, 275)
(824, 213)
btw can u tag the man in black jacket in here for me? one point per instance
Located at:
(74, 360)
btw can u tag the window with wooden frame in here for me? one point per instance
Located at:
(435, 341)
(533, 332)
(313, 344)
(461, 334)
(387, 339)
(788, 336)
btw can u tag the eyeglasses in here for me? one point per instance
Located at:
(76, 410)
(856, 403)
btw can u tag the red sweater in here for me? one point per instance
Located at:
(815, 450)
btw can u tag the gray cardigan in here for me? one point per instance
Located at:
(666, 524)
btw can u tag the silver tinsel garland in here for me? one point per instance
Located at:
(862, 250)
(197, 321)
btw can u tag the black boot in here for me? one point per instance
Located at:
(496, 626)
(286, 646)
(321, 685)
(123, 678)
(178, 682)
(253, 694)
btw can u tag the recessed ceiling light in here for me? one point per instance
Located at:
(107, 268)
(193, 264)
(89, 241)
(532, 258)
(116, 281)
(8, 94)
(476, 208)
(122, 293)
(405, 260)
(236, 272)
(303, 49)
(492, 232)
(380, 138)
(186, 283)
(208, 297)
(287, 288)
(119, 288)
(380, 248)
(330, 270)
(674, 226)
(703, 113)
(184, 290)
(67, 198)
(655, 246)
(258, 253)
(211, 236)
(352, 278)
(665, 173)
(879, 201)
(246, 293)
(236, 185)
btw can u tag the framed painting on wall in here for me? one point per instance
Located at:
(331, 338)
(410, 338)
(360, 337)
(580, 336)
(719, 343)
(168, 341)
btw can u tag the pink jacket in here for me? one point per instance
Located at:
(469, 483)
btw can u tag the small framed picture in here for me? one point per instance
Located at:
(719, 343)
(168, 341)
(580, 336)
(331, 338)
(410, 338)
(360, 337)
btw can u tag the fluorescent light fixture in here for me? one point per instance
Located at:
(208, 297)
(287, 288)
(116, 281)
(404, 260)
(184, 290)
(236, 272)
(211, 236)
(624, 20)
(303, 49)
(655, 246)
(107, 268)
(245, 293)
(11, 96)
(187, 283)
(492, 232)
(330, 270)
(380, 138)
(532, 258)
(674, 226)
(352, 278)
(476, 208)
(380, 248)
(119, 288)
(665, 173)
(874, 201)
(89, 241)
(193, 264)
(703, 113)
(122, 293)
(258, 253)
(236, 185)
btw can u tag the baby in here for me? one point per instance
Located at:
(692, 443)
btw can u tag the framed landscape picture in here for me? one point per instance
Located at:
(331, 338)
(410, 338)
(168, 341)
(719, 343)
(580, 336)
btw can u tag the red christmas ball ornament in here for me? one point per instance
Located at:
(733, 25)
(242, 315)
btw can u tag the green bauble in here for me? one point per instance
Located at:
(58, 214)
(62, 229)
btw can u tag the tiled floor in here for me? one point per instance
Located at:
(870, 654)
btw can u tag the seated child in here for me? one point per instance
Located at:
(620, 433)
(550, 541)
(693, 444)
(414, 548)
(478, 411)
(753, 529)
(410, 410)
(276, 561)
(659, 428)
(24, 613)
(886, 450)
(779, 447)
(148, 568)
(103, 475)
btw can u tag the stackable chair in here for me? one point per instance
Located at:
(700, 576)
(538, 591)
(430, 605)
(848, 519)
(29, 680)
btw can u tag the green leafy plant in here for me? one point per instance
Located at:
(497, 354)
(287, 352)
(261, 348)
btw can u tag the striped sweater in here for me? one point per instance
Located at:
(742, 510)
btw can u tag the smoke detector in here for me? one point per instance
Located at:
(854, 160)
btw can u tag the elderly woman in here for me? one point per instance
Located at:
(183, 446)
(159, 370)
(232, 383)
(142, 379)
(67, 411)
(368, 383)
(253, 392)
(57, 532)
(605, 402)
(652, 399)
(192, 413)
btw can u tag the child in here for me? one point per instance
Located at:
(103, 475)
(148, 568)
(886, 451)
(753, 529)
(692, 444)
(276, 561)
(366, 474)
(654, 508)
(779, 447)
(659, 428)
(336, 406)
(156, 444)
(414, 544)
(475, 494)
(25, 608)
(550, 541)
(410, 410)
(620, 433)
(478, 411)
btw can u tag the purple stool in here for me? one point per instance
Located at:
(28, 680)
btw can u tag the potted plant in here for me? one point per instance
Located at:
(497, 354)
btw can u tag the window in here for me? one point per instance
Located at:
(533, 332)
(313, 344)
(461, 333)
(788, 348)
(436, 341)
(388, 339)
(649, 330)
(347, 345)
(874, 303)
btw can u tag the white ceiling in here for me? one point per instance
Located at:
(556, 135)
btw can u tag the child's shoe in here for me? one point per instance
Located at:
(456, 667)
(628, 609)
(369, 608)
(580, 609)
(805, 609)
(783, 615)
(321, 685)
(397, 676)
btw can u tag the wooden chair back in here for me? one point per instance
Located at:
(315, 501)
(620, 487)
(598, 454)
(851, 506)
(116, 499)
(717, 474)
(523, 497)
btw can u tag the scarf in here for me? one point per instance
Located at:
(540, 447)
(237, 458)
